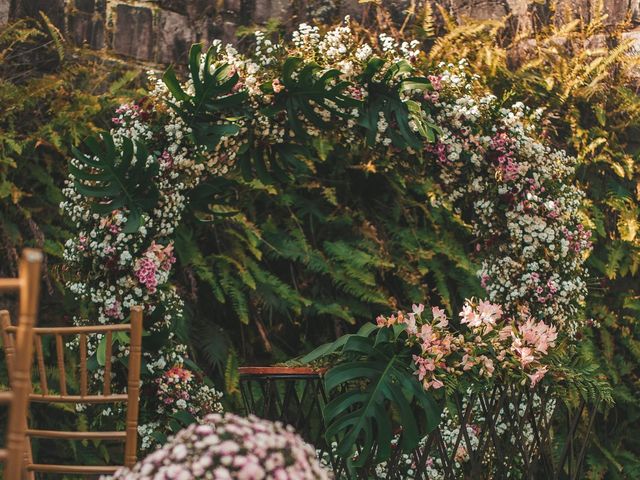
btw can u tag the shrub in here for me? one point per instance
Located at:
(52, 96)
(230, 447)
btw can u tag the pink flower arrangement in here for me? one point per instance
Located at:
(231, 447)
(525, 204)
(154, 265)
(486, 343)
(178, 389)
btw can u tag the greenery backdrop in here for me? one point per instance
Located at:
(275, 299)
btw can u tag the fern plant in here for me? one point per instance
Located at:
(52, 95)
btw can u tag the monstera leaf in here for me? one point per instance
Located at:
(378, 391)
(306, 87)
(116, 178)
(206, 110)
(385, 96)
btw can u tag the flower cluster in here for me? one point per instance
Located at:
(180, 390)
(489, 160)
(526, 212)
(154, 266)
(487, 344)
(230, 447)
(112, 268)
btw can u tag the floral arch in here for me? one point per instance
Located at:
(270, 114)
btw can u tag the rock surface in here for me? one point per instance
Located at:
(161, 31)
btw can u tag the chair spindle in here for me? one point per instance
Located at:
(61, 370)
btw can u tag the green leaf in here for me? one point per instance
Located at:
(332, 347)
(362, 416)
(116, 179)
(307, 88)
(214, 108)
(184, 417)
(101, 352)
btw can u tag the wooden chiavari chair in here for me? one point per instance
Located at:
(46, 395)
(19, 367)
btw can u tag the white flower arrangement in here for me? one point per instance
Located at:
(525, 208)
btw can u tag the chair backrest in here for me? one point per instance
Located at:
(61, 394)
(27, 285)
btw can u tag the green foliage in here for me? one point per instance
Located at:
(306, 88)
(388, 102)
(212, 93)
(52, 96)
(118, 177)
(312, 255)
(584, 77)
(377, 390)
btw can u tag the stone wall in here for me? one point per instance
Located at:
(161, 31)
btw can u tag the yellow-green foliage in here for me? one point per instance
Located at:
(51, 96)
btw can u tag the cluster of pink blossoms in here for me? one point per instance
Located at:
(520, 197)
(178, 389)
(157, 260)
(486, 343)
(231, 447)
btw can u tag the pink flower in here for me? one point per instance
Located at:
(440, 317)
(251, 471)
(222, 473)
(280, 474)
(228, 447)
(436, 81)
(538, 335)
(277, 86)
(470, 316)
(524, 354)
(179, 452)
(426, 335)
(537, 375)
(487, 366)
(461, 454)
(489, 312)
(411, 324)
(435, 383)
(467, 362)
(114, 310)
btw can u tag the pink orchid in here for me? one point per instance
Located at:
(440, 316)
(537, 375)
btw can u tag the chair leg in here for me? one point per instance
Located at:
(28, 460)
